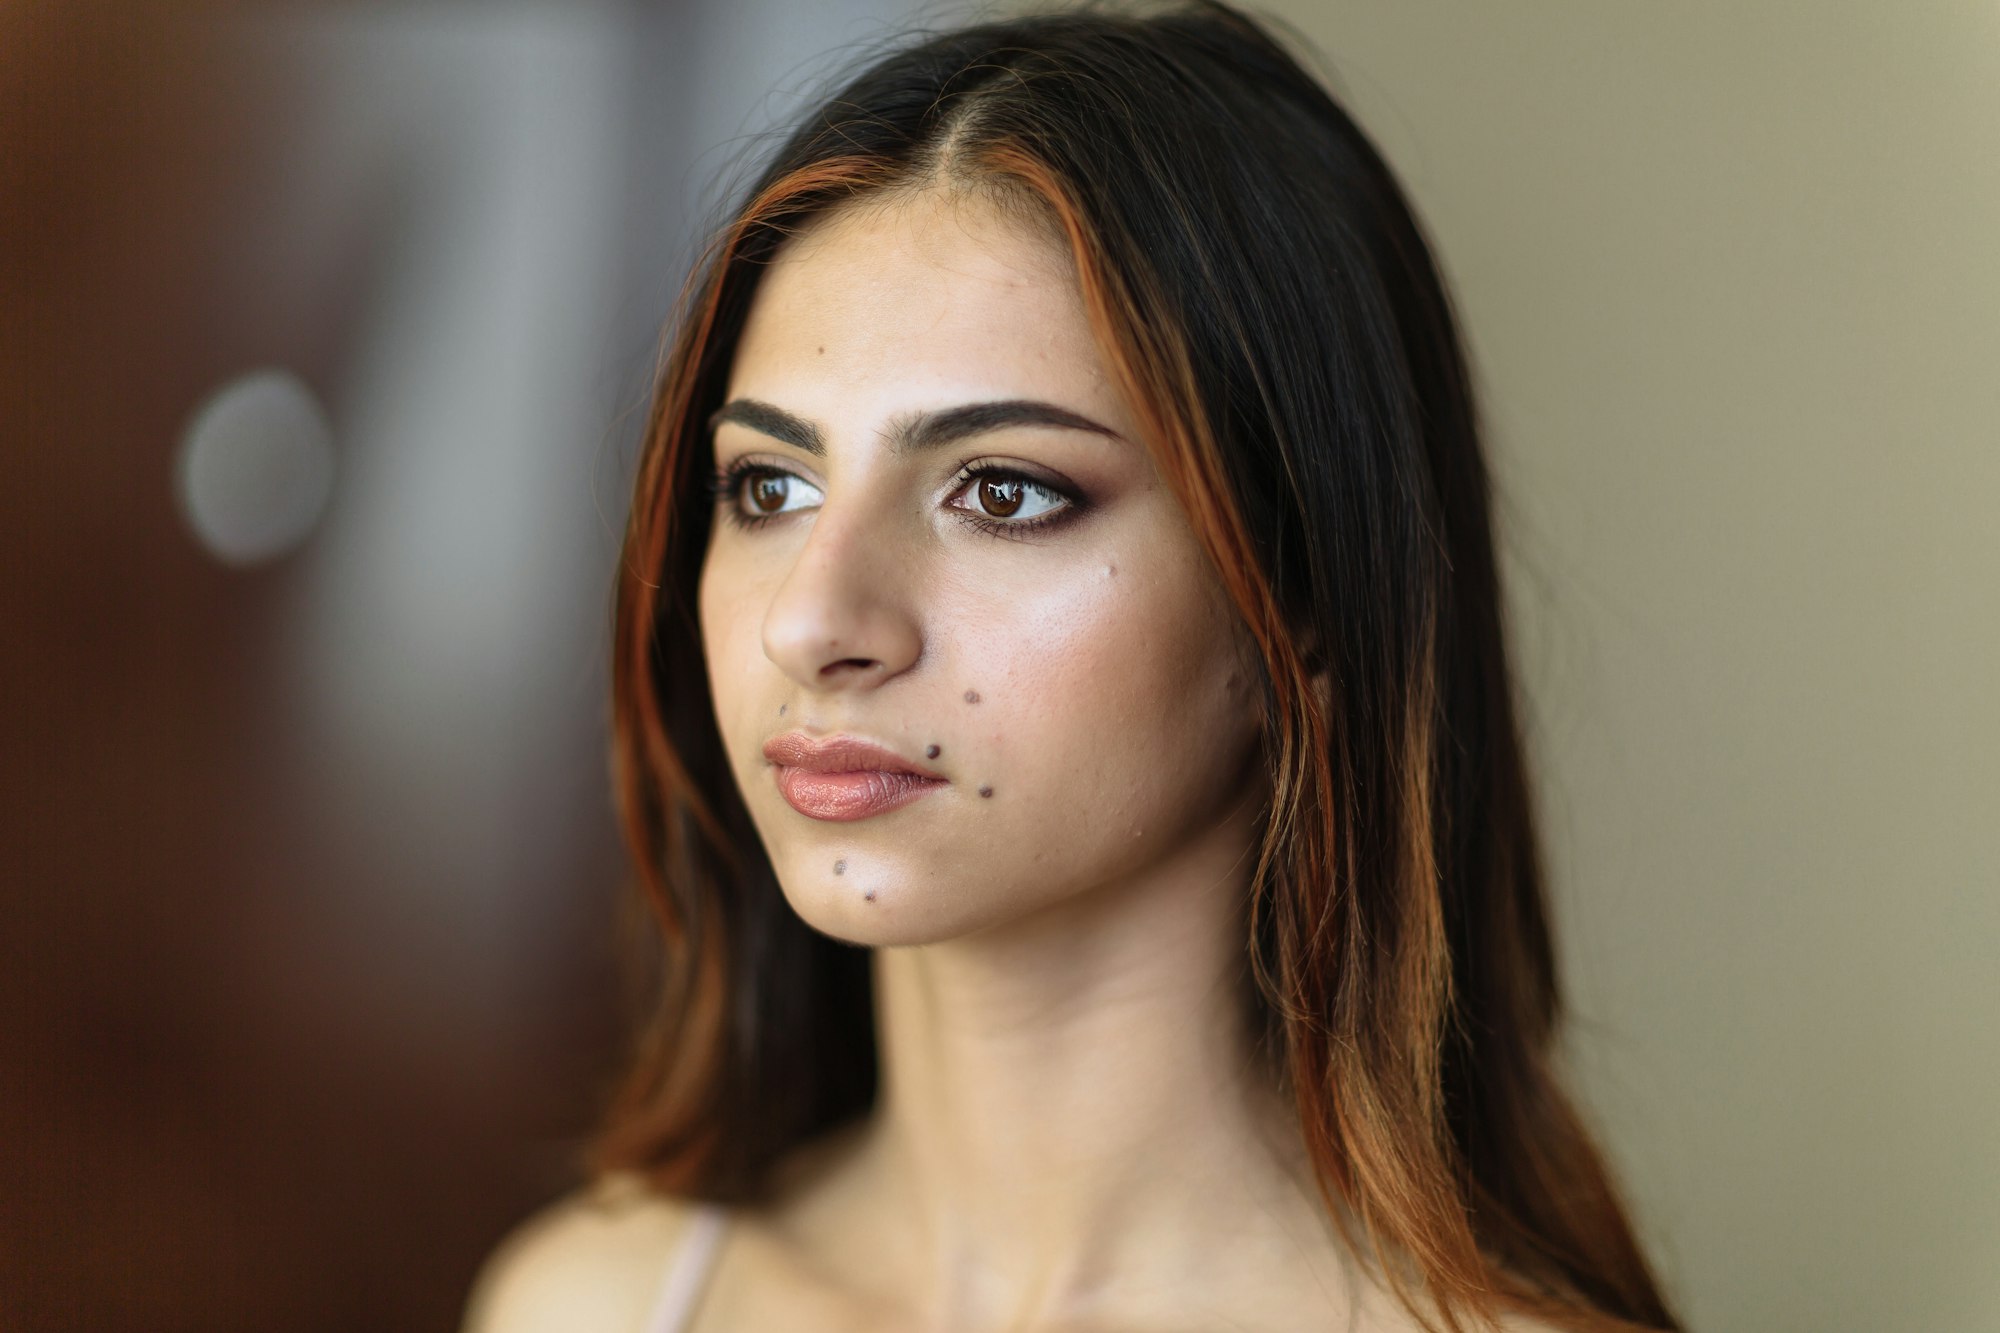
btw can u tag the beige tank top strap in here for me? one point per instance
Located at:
(681, 1285)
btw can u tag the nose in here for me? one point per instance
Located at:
(841, 619)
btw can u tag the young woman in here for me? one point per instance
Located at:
(1064, 726)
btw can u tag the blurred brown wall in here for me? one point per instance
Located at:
(214, 1114)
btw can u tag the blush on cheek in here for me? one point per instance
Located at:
(1129, 694)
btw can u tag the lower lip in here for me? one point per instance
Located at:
(855, 795)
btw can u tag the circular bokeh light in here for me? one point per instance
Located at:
(256, 467)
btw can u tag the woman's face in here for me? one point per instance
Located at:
(941, 535)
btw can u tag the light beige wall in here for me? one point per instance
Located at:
(1732, 275)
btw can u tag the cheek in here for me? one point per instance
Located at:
(1112, 709)
(730, 618)
(714, 627)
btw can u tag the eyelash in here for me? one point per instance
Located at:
(726, 486)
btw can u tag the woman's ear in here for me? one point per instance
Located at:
(1319, 673)
(1321, 679)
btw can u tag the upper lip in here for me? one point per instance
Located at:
(839, 754)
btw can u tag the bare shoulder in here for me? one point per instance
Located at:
(592, 1260)
(1379, 1312)
(1517, 1321)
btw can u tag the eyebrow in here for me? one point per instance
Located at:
(912, 433)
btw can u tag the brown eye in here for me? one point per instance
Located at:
(767, 493)
(1018, 501)
(1000, 496)
(753, 493)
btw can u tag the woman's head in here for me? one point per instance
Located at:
(940, 530)
(1266, 566)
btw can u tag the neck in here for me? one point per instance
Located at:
(1076, 1097)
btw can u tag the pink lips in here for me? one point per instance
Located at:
(842, 778)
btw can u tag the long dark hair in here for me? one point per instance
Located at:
(1266, 299)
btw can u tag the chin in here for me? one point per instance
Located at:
(877, 906)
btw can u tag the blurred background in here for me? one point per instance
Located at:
(324, 332)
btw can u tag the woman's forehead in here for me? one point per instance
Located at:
(929, 287)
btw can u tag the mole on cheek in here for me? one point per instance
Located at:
(985, 791)
(932, 751)
(840, 867)
(870, 895)
(972, 696)
(781, 710)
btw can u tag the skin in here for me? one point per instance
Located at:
(1072, 1132)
